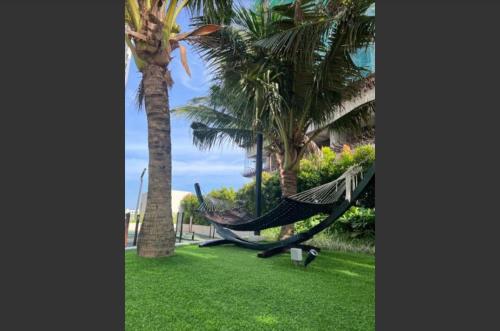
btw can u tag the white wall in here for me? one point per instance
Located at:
(177, 196)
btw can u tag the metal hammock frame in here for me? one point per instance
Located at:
(311, 202)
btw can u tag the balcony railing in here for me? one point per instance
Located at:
(250, 171)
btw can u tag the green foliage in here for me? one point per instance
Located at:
(271, 234)
(190, 204)
(327, 166)
(223, 193)
(308, 175)
(271, 193)
(364, 155)
(308, 223)
(329, 239)
(357, 222)
(343, 242)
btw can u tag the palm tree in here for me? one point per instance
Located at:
(281, 73)
(152, 34)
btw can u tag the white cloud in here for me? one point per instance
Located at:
(204, 167)
(134, 167)
(200, 74)
(187, 83)
(186, 148)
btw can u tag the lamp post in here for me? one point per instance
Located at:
(258, 165)
(180, 216)
(137, 209)
(258, 179)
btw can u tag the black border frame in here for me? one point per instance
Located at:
(62, 135)
(437, 165)
(62, 165)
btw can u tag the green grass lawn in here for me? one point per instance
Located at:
(230, 288)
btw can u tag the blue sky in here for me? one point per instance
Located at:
(212, 169)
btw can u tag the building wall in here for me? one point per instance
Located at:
(177, 197)
(340, 138)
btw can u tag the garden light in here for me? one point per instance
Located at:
(310, 257)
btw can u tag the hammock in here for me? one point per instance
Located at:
(318, 200)
(352, 188)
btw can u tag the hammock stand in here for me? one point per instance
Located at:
(326, 198)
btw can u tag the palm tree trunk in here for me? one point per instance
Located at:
(157, 236)
(288, 181)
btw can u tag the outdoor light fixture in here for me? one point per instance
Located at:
(137, 218)
(296, 255)
(310, 257)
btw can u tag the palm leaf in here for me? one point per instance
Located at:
(184, 61)
(205, 137)
(216, 11)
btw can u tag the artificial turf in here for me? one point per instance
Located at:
(230, 288)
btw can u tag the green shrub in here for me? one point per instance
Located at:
(364, 155)
(271, 193)
(343, 242)
(357, 222)
(223, 193)
(309, 223)
(332, 240)
(319, 169)
(190, 204)
(271, 234)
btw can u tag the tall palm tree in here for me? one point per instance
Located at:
(281, 73)
(152, 34)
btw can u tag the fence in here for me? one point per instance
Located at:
(196, 231)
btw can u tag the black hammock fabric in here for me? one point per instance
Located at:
(321, 199)
(288, 211)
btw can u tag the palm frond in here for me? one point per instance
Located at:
(214, 11)
(206, 115)
(305, 39)
(205, 137)
(355, 120)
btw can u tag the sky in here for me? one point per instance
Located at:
(212, 169)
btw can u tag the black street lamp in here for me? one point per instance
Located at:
(258, 179)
